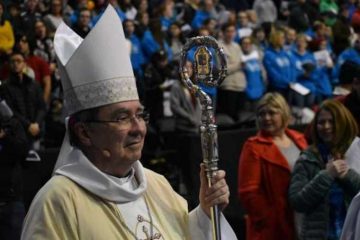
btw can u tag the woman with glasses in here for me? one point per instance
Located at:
(323, 182)
(265, 168)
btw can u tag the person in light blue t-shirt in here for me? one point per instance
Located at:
(305, 72)
(279, 65)
(254, 70)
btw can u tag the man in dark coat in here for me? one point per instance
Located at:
(25, 98)
(349, 78)
(13, 151)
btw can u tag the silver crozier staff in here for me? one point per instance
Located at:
(203, 73)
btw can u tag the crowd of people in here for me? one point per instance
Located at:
(285, 59)
(296, 48)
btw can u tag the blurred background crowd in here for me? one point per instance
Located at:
(278, 46)
(306, 50)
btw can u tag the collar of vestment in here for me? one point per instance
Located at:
(80, 170)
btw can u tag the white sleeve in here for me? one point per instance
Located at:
(200, 226)
(351, 228)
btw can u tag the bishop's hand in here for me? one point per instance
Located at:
(217, 194)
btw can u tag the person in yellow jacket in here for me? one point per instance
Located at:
(99, 189)
(7, 39)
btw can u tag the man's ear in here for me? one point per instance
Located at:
(81, 132)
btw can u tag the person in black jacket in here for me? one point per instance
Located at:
(324, 179)
(13, 151)
(301, 15)
(24, 97)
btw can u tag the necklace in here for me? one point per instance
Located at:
(140, 220)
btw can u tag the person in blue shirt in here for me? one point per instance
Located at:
(260, 40)
(351, 53)
(279, 65)
(305, 74)
(290, 36)
(166, 15)
(323, 70)
(118, 10)
(207, 10)
(199, 18)
(243, 26)
(254, 70)
(137, 57)
(154, 40)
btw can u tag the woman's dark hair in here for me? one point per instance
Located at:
(181, 37)
(345, 127)
(226, 26)
(21, 37)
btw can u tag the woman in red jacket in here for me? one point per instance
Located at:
(265, 167)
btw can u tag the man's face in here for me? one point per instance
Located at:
(209, 4)
(168, 11)
(211, 25)
(260, 35)
(124, 145)
(301, 43)
(175, 31)
(243, 19)
(189, 68)
(129, 27)
(56, 6)
(246, 45)
(32, 4)
(40, 29)
(145, 19)
(230, 33)
(291, 35)
(17, 63)
(23, 45)
(84, 18)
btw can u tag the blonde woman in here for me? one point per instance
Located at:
(265, 167)
(279, 64)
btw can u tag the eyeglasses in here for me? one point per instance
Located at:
(124, 122)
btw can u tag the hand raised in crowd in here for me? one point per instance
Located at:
(34, 129)
(337, 168)
(217, 194)
(341, 167)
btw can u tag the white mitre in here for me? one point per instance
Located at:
(95, 71)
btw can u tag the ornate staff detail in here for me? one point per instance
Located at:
(203, 73)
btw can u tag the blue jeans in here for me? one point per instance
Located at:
(11, 219)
